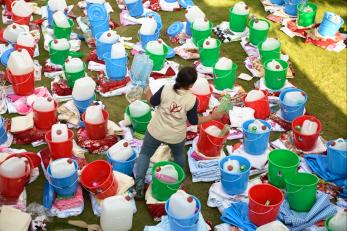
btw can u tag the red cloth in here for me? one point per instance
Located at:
(29, 136)
(105, 85)
(61, 88)
(169, 73)
(154, 5)
(157, 210)
(94, 146)
(49, 68)
(94, 57)
(71, 202)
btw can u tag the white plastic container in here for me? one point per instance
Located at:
(83, 89)
(210, 43)
(193, 13)
(213, 131)
(254, 95)
(338, 222)
(26, 39)
(109, 37)
(118, 51)
(73, 65)
(339, 144)
(182, 205)
(149, 26)
(240, 8)
(20, 62)
(257, 127)
(121, 151)
(274, 66)
(94, 115)
(309, 127)
(138, 108)
(224, 64)
(294, 98)
(155, 47)
(21, 9)
(59, 133)
(260, 25)
(273, 226)
(232, 166)
(12, 32)
(44, 104)
(270, 44)
(57, 5)
(61, 20)
(62, 168)
(201, 87)
(60, 44)
(116, 214)
(13, 167)
(168, 171)
(201, 24)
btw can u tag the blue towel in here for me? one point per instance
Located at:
(237, 215)
(296, 221)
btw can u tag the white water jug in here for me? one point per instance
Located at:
(96, 1)
(240, 8)
(121, 151)
(26, 39)
(138, 108)
(60, 44)
(294, 98)
(13, 167)
(232, 166)
(83, 89)
(155, 47)
(309, 127)
(193, 13)
(116, 214)
(182, 205)
(62, 168)
(339, 144)
(257, 127)
(260, 25)
(118, 51)
(21, 9)
(224, 64)
(109, 37)
(274, 225)
(210, 43)
(20, 62)
(338, 222)
(12, 32)
(59, 133)
(254, 95)
(167, 171)
(61, 20)
(201, 24)
(201, 87)
(43, 104)
(270, 44)
(149, 26)
(73, 65)
(213, 130)
(94, 115)
(274, 66)
(57, 5)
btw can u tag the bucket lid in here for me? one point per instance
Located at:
(48, 195)
(5, 56)
(185, 3)
(96, 12)
(174, 29)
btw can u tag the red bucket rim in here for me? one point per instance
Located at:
(90, 164)
(212, 122)
(9, 74)
(211, 91)
(308, 117)
(266, 95)
(48, 137)
(105, 114)
(267, 185)
(19, 155)
(55, 108)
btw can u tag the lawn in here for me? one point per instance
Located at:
(320, 73)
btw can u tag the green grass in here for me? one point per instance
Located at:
(320, 73)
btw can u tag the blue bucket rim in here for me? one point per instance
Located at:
(198, 204)
(107, 55)
(93, 97)
(132, 157)
(224, 159)
(291, 89)
(98, 35)
(49, 169)
(327, 145)
(252, 120)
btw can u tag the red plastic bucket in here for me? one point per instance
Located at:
(60, 149)
(305, 142)
(96, 131)
(8, 4)
(210, 145)
(97, 177)
(259, 212)
(23, 85)
(203, 101)
(30, 50)
(45, 120)
(261, 106)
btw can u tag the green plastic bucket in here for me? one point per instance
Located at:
(57, 56)
(301, 191)
(326, 223)
(209, 57)
(72, 77)
(282, 163)
(275, 80)
(139, 123)
(224, 79)
(306, 19)
(63, 32)
(257, 36)
(269, 54)
(162, 190)
(237, 22)
(158, 60)
(198, 35)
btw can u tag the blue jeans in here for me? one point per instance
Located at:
(149, 146)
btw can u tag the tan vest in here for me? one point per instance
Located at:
(169, 123)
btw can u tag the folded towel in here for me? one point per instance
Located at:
(237, 214)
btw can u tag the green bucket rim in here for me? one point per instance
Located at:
(166, 50)
(233, 68)
(283, 63)
(210, 25)
(295, 175)
(250, 24)
(71, 22)
(287, 151)
(231, 9)
(260, 45)
(326, 223)
(84, 68)
(311, 4)
(50, 46)
(201, 41)
(163, 163)
(127, 111)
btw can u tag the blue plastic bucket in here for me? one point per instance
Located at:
(135, 9)
(83, 104)
(125, 167)
(234, 183)
(66, 186)
(101, 47)
(337, 160)
(278, 2)
(255, 144)
(328, 28)
(99, 26)
(187, 224)
(189, 28)
(144, 39)
(98, 18)
(170, 1)
(3, 133)
(290, 6)
(116, 69)
(289, 113)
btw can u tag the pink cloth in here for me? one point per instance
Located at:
(69, 203)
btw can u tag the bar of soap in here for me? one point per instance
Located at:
(14, 219)
(22, 123)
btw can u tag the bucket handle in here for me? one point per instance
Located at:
(98, 191)
(231, 181)
(341, 154)
(223, 76)
(263, 212)
(261, 136)
(185, 226)
(24, 82)
(219, 145)
(286, 110)
(3, 134)
(300, 189)
(140, 122)
(49, 181)
(172, 189)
